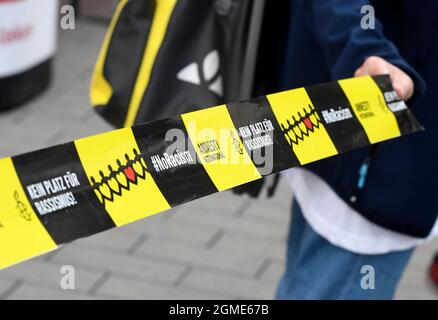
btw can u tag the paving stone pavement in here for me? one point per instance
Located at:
(219, 247)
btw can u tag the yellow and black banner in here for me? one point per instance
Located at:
(56, 195)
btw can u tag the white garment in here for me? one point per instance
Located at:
(341, 225)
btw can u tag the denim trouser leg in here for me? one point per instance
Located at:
(316, 269)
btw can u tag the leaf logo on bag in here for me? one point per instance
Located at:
(208, 75)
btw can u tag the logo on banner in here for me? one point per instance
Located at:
(364, 110)
(237, 144)
(121, 179)
(23, 210)
(301, 125)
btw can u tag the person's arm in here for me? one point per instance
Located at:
(351, 50)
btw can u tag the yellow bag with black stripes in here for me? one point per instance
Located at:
(166, 57)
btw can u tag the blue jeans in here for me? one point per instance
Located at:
(316, 269)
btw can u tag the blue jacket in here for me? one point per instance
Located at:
(326, 42)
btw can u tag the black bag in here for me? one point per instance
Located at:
(166, 57)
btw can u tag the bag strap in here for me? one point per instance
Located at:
(163, 13)
(101, 90)
(248, 74)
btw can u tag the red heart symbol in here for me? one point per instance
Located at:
(130, 174)
(308, 123)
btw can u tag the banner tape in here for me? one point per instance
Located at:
(56, 195)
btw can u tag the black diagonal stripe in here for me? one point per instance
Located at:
(179, 183)
(347, 134)
(67, 210)
(256, 111)
(405, 118)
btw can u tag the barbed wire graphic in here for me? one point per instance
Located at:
(301, 125)
(121, 179)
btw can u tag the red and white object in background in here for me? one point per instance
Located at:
(28, 31)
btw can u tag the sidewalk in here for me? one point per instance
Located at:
(220, 247)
